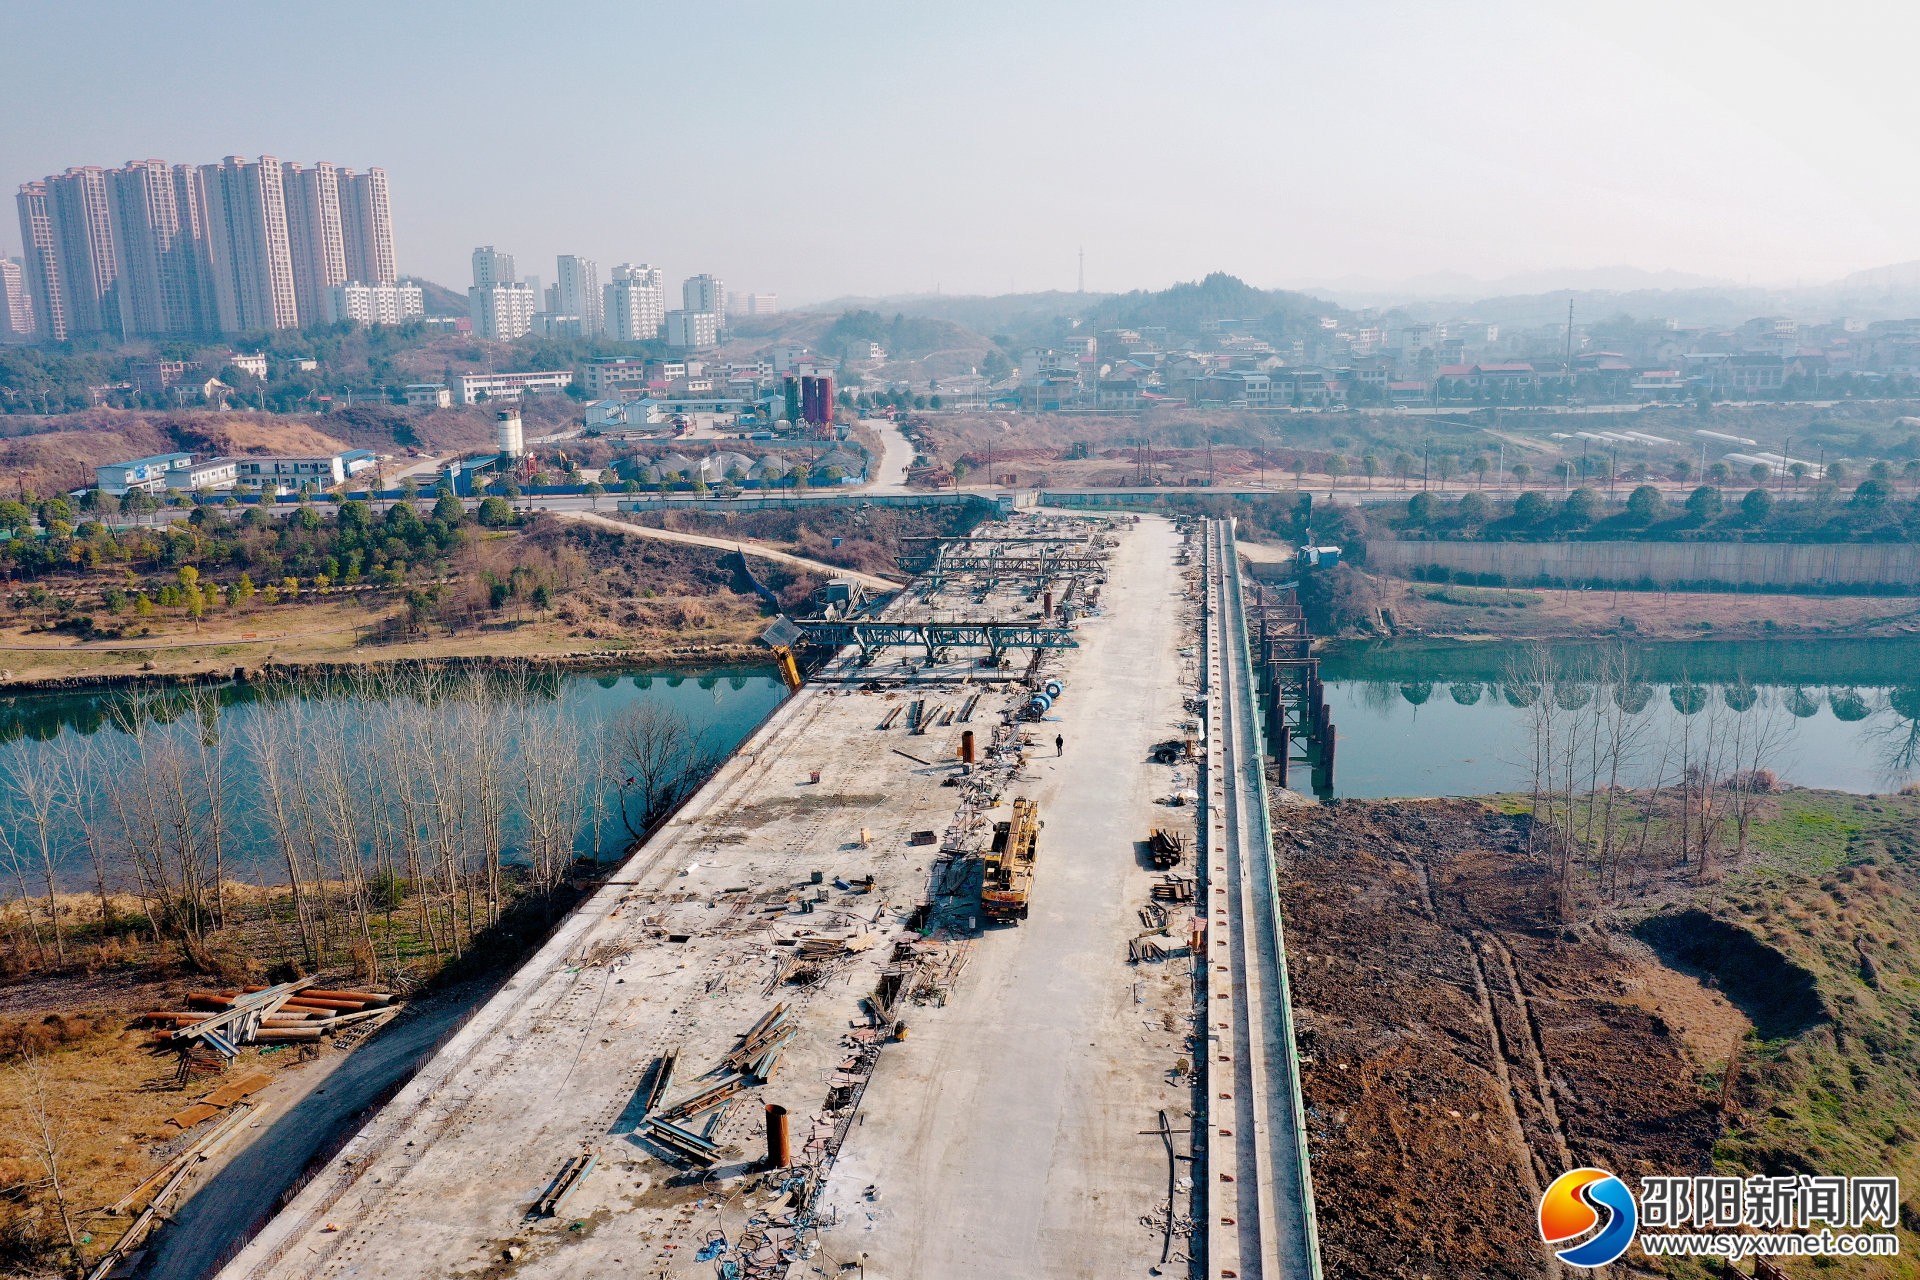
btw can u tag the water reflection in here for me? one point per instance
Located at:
(1397, 739)
(1848, 705)
(1803, 703)
(720, 705)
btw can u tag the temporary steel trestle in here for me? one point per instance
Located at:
(995, 637)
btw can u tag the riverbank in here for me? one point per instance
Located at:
(172, 667)
(1448, 610)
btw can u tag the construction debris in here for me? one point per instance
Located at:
(1166, 847)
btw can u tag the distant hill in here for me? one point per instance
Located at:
(917, 346)
(1004, 313)
(1048, 318)
(438, 299)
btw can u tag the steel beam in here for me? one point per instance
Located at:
(995, 637)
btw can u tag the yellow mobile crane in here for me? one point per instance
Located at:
(1009, 878)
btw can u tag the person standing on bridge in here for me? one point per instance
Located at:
(1059, 744)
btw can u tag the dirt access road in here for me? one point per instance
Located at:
(305, 1107)
(1014, 1132)
(723, 544)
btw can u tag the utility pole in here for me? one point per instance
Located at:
(1786, 460)
(1566, 372)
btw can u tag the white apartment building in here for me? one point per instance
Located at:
(469, 387)
(634, 304)
(704, 293)
(490, 268)
(372, 304)
(692, 330)
(501, 311)
(579, 293)
(753, 304)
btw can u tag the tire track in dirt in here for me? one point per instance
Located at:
(1525, 1158)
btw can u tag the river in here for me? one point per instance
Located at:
(41, 732)
(1431, 718)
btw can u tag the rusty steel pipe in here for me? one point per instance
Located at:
(966, 746)
(779, 1154)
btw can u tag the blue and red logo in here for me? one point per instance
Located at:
(1572, 1207)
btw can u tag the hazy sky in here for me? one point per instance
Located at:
(817, 150)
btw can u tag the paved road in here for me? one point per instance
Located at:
(727, 544)
(305, 1107)
(1004, 1134)
(890, 473)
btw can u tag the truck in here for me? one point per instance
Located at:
(1008, 883)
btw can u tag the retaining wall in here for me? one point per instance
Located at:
(1891, 567)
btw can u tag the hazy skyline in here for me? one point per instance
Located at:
(866, 149)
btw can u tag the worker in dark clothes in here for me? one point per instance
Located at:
(1059, 744)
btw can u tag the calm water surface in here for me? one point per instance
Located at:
(1418, 719)
(723, 706)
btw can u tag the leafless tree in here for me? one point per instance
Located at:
(46, 1129)
(78, 762)
(34, 784)
(658, 759)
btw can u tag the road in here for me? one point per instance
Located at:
(305, 1107)
(890, 473)
(725, 544)
(1004, 1135)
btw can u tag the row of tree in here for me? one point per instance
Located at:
(395, 807)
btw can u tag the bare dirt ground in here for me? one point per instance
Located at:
(1460, 1052)
(1476, 613)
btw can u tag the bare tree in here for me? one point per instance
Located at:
(658, 760)
(78, 762)
(46, 1130)
(34, 783)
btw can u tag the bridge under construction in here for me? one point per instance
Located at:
(967, 962)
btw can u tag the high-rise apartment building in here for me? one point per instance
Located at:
(579, 284)
(16, 307)
(44, 288)
(164, 284)
(366, 224)
(693, 330)
(704, 293)
(246, 216)
(752, 304)
(234, 247)
(315, 236)
(501, 311)
(490, 268)
(634, 303)
(89, 271)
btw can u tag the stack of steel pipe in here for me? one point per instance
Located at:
(306, 1015)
